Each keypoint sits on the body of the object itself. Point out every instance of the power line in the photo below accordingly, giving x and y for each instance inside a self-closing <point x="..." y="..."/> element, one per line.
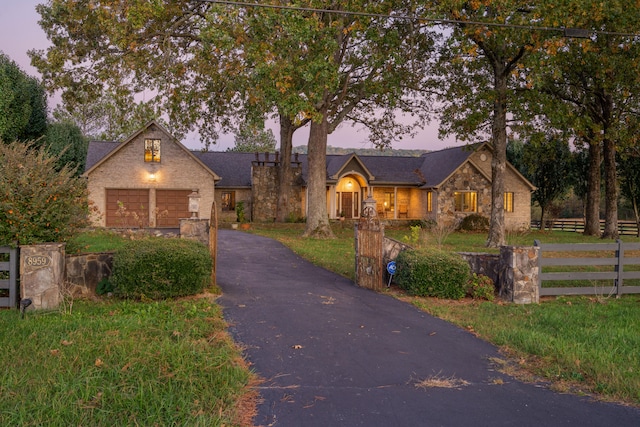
<point x="568" y="32"/>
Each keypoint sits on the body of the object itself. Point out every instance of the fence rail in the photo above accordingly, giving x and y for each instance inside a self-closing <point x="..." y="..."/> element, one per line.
<point x="625" y="228"/>
<point x="8" y="277"/>
<point x="617" y="275"/>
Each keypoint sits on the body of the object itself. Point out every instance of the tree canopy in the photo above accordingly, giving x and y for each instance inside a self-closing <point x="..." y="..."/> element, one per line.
<point x="202" y="65"/>
<point x="23" y="104"/>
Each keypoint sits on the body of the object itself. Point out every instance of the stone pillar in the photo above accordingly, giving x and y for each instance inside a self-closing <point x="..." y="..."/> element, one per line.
<point x="195" y="229"/>
<point x="42" y="274"/>
<point x="519" y="274"/>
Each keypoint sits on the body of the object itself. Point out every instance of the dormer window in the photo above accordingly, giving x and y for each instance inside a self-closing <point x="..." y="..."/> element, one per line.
<point x="152" y="150"/>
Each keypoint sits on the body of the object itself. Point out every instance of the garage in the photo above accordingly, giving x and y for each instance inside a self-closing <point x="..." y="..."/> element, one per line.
<point x="127" y="208"/>
<point x="172" y="205"/>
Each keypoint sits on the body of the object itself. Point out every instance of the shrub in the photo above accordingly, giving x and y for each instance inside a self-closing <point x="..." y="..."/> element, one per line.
<point x="432" y="273"/>
<point x="159" y="268"/>
<point x="481" y="287"/>
<point x="38" y="203"/>
<point x="474" y="222"/>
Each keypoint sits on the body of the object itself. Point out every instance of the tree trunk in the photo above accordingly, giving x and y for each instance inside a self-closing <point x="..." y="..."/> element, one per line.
<point x="498" y="164"/>
<point x="611" y="190"/>
<point x="283" y="210"/>
<point x="317" y="217"/>
<point x="592" y="211"/>
<point x="542" y="227"/>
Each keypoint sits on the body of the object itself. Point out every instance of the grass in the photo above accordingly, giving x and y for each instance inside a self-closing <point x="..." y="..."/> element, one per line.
<point x="122" y="363"/>
<point x="579" y="344"/>
<point x="98" y="240"/>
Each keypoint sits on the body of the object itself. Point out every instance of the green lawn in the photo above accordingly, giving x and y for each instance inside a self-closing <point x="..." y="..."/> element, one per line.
<point x="122" y="363"/>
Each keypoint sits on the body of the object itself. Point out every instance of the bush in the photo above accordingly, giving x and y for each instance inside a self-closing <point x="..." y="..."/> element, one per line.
<point x="38" y="203"/>
<point x="432" y="273"/>
<point x="481" y="287"/>
<point x="159" y="268"/>
<point x="474" y="222"/>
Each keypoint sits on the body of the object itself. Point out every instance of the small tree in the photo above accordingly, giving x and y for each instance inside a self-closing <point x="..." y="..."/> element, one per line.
<point x="38" y="202"/>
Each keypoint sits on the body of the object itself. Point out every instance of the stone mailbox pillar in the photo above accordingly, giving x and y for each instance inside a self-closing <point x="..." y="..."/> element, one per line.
<point x="42" y="274"/>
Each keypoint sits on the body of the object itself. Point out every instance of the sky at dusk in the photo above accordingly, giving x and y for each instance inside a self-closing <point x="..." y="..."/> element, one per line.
<point x="20" y="32"/>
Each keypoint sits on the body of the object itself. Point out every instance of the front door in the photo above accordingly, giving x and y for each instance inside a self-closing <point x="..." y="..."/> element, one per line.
<point x="347" y="205"/>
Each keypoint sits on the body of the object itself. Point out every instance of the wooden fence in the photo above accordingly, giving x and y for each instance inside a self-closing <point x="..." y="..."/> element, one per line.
<point x="597" y="262"/>
<point x="8" y="277"/>
<point x="628" y="228"/>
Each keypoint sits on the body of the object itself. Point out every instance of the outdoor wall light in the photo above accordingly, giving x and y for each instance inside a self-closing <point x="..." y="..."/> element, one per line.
<point x="349" y="184"/>
<point x="152" y="177"/>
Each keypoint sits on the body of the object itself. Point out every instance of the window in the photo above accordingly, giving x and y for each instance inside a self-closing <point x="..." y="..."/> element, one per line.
<point x="389" y="202"/>
<point x="430" y="201"/>
<point x="466" y="201"/>
<point x="152" y="150"/>
<point x="228" y="200"/>
<point x="508" y="202"/>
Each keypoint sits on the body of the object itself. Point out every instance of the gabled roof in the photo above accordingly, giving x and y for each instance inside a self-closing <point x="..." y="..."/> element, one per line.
<point x="234" y="168"/>
<point x="438" y="166"/>
<point x="115" y="147"/>
<point x="336" y="166"/>
<point x="97" y="151"/>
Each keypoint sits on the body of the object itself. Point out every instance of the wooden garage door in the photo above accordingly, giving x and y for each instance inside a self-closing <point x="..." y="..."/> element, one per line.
<point x="172" y="205"/>
<point x="135" y="208"/>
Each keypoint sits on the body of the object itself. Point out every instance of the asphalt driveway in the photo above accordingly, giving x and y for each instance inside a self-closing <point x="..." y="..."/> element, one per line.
<point x="334" y="354"/>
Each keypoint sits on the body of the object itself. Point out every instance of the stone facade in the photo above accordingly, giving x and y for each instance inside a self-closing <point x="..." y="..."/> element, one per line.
<point x="468" y="179"/>
<point x="474" y="176"/>
<point x="520" y="218"/>
<point x="264" y="189"/>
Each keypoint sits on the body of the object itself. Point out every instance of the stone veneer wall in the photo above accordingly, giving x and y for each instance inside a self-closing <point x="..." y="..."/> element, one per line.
<point x="85" y="271"/>
<point x="486" y="264"/>
<point x="468" y="178"/>
<point x="519" y="274"/>
<point x="264" y="177"/>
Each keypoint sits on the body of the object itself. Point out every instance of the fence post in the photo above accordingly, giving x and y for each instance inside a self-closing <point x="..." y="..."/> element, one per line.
<point x="619" y="268"/>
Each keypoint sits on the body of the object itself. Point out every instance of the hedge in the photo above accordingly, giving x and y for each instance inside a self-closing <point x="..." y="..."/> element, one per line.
<point x="432" y="273"/>
<point x="159" y="268"/>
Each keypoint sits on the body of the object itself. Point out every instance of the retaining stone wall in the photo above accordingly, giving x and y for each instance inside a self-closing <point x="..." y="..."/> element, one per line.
<point x="85" y="271"/>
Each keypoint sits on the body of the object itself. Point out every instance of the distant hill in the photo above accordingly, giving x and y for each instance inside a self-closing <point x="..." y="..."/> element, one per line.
<point x="302" y="149"/>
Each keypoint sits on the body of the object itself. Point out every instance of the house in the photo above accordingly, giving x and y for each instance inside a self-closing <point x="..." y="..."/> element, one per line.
<point x="151" y="174"/>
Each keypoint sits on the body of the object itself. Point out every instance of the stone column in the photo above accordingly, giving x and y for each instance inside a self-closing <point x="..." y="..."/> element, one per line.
<point x="195" y="229"/>
<point x="42" y="274"/>
<point x="519" y="274"/>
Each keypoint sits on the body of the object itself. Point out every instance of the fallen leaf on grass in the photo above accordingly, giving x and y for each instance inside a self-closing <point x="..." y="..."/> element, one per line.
<point x="98" y="363"/>
<point x="65" y="342"/>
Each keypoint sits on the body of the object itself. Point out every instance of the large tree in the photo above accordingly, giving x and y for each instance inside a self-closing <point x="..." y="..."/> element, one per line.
<point x="136" y="51"/>
<point x="479" y="74"/>
<point x="23" y="104"/>
<point x="328" y="66"/>
<point x="203" y="65"/>
<point x="594" y="82"/>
